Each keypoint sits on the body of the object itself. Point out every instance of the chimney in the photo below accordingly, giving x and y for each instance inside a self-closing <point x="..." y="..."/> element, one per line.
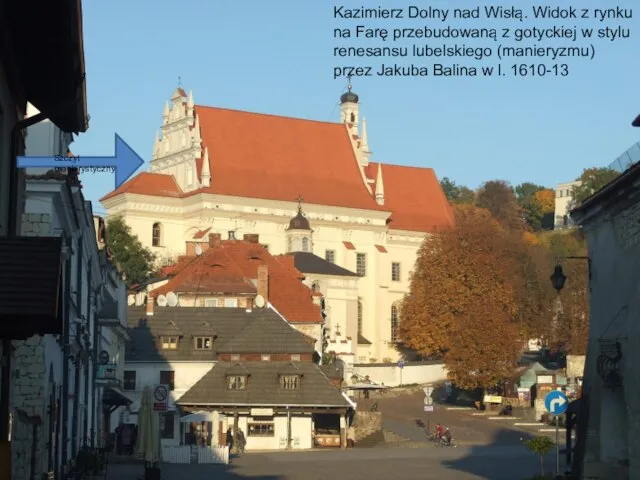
<point x="251" y="238"/>
<point x="263" y="282"/>
<point x="214" y="239"/>
<point x="191" y="249"/>
<point x="150" y="301"/>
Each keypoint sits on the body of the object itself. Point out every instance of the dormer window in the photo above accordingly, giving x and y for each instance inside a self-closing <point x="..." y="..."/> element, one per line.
<point x="236" y="382"/>
<point x="232" y="234"/>
<point x="266" y="358"/>
<point x="169" y="342"/>
<point x="290" y="382"/>
<point x="203" y="343"/>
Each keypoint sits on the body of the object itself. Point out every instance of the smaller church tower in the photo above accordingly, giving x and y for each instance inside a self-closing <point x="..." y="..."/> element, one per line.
<point x="349" y="109"/>
<point x="299" y="233"/>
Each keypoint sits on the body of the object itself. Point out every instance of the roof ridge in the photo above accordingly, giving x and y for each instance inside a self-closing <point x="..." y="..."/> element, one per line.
<point x="287" y="117"/>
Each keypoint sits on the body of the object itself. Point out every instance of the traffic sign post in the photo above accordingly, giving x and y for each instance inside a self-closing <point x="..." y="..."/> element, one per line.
<point x="400" y="366"/>
<point x="556" y="403"/>
<point x="160" y="394"/>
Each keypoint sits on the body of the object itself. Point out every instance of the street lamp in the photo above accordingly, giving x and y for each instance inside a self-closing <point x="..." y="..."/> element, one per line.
<point x="558" y="278"/>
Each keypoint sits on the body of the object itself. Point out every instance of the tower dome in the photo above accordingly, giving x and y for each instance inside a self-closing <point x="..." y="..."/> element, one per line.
<point x="349" y="97"/>
<point x="299" y="222"/>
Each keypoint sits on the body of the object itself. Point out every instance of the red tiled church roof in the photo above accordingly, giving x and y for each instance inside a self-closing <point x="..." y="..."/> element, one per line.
<point x="229" y="268"/>
<point x="270" y="157"/>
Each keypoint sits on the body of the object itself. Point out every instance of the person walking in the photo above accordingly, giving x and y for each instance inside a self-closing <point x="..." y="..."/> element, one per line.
<point x="241" y="441"/>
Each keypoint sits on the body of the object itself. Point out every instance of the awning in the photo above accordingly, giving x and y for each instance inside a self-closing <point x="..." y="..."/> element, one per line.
<point x="47" y="45"/>
<point x="200" y="417"/>
<point x="113" y="397"/>
<point x="30" y="286"/>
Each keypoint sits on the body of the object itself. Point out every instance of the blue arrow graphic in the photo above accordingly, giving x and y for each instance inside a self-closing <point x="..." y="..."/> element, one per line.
<point x="125" y="162"/>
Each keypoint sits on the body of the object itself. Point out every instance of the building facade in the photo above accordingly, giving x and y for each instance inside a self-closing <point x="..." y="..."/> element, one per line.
<point x="564" y="204"/>
<point x="233" y="173"/>
<point x="609" y="424"/>
<point x="229" y="360"/>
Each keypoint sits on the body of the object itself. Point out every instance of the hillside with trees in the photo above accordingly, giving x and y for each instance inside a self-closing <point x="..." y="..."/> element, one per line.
<point x="479" y="292"/>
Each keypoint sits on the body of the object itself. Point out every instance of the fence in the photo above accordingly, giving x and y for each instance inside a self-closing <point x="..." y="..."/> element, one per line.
<point x="193" y="454"/>
<point x="411" y="373"/>
<point x="627" y="159"/>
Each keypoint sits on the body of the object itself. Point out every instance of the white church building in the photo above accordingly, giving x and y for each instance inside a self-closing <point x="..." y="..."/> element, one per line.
<point x="233" y="173"/>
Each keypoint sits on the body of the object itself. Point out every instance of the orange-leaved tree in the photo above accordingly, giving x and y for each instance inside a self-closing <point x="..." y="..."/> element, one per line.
<point x="462" y="305"/>
<point x="498" y="197"/>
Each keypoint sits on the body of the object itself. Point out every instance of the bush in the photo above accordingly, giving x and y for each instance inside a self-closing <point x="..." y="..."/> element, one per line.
<point x="540" y="446"/>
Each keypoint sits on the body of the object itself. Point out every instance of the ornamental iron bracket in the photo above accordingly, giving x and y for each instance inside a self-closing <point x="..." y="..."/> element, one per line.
<point x="608" y="363"/>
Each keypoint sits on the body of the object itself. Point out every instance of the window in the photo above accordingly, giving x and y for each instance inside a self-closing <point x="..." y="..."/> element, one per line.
<point x="203" y="343"/>
<point x="330" y="256"/>
<point x="260" y="427"/>
<point x="232" y="234"/>
<point x="295" y="357"/>
<point x="236" y="382"/>
<point x="167" y="377"/>
<point x="211" y="302"/>
<point x="167" y="424"/>
<point x="169" y="343"/>
<point x="290" y="382"/>
<point x="360" y="314"/>
<point x="394" y="323"/>
<point x="265" y="358"/>
<point x="361" y="264"/>
<point x="305" y="244"/>
<point x="315" y="287"/>
<point x="231" y="302"/>
<point x="289" y="244"/>
<point x="395" y="272"/>
<point x="129" y="381"/>
<point x="235" y="357"/>
<point x="156" y="235"/>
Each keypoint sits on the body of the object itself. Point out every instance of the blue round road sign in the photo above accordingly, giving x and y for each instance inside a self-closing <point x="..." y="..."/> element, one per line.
<point x="401" y="364"/>
<point x="556" y="402"/>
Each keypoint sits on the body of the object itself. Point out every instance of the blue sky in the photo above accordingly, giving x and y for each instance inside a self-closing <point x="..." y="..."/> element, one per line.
<point x="277" y="57"/>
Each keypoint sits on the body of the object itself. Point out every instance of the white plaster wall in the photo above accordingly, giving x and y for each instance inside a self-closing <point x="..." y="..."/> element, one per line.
<point x="182" y="218"/>
<point x="563" y="202"/>
<point x="392" y="375"/>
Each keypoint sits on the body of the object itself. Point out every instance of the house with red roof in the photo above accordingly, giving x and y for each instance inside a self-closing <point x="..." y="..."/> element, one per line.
<point x="234" y="173"/>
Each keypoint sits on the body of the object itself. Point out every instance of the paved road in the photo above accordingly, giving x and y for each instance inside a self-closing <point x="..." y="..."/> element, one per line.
<point x="463" y="463"/>
<point x="401" y="414"/>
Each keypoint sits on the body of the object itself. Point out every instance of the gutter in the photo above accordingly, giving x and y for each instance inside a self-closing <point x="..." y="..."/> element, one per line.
<point x="66" y="354"/>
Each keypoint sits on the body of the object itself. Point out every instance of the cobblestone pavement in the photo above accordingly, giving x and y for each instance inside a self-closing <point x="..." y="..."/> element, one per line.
<point x="463" y="463"/>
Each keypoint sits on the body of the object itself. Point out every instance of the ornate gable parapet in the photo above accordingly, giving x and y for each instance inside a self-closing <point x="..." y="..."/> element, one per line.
<point x="179" y="146"/>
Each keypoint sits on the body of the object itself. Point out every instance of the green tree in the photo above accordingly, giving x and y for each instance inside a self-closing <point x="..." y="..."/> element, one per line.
<point x="592" y="180"/>
<point x="134" y="261"/>
<point x="458" y="194"/>
<point x="540" y="446"/>
<point x="535" y="203"/>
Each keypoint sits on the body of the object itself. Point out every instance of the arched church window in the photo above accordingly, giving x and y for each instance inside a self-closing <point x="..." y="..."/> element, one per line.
<point x="305" y="244"/>
<point x="289" y="244"/>
<point x="315" y="287"/>
<point x="395" y="320"/>
<point x="156" y="235"/>
<point x="353" y="117"/>
<point x="360" y="314"/>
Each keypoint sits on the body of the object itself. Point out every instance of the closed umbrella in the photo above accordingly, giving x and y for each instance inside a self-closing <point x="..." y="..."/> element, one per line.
<point x="148" y="442"/>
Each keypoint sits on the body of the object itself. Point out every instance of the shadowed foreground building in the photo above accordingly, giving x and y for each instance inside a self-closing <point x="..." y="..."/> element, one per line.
<point x="609" y="426"/>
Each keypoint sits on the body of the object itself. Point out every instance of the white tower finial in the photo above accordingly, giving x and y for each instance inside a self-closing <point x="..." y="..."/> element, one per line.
<point x="379" y="187"/>
<point x="206" y="169"/>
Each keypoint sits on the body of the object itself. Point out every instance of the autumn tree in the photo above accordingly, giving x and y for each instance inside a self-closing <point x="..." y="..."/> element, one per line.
<point x="592" y="180"/>
<point x="457" y="194"/>
<point x="462" y="305"/>
<point x="134" y="261"/>
<point x="498" y="197"/>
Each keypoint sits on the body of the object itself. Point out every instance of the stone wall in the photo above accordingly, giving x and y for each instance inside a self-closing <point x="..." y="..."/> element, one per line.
<point x="366" y="423"/>
<point x="27" y="396"/>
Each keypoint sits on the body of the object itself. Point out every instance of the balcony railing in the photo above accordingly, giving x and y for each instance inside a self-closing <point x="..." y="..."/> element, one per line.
<point x="627" y="159"/>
